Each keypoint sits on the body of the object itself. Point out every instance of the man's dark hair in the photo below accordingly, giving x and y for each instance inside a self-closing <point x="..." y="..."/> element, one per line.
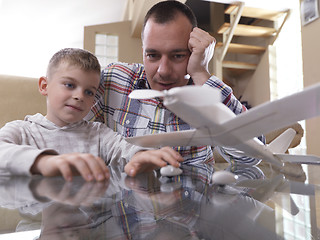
<point x="166" y="11"/>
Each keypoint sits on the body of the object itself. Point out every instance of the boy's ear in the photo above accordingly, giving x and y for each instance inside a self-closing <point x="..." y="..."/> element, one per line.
<point x="43" y="84"/>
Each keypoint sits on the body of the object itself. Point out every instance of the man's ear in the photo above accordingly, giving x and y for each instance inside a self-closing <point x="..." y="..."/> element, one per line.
<point x="43" y="84"/>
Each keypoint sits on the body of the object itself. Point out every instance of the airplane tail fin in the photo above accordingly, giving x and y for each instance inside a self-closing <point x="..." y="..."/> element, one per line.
<point x="281" y="143"/>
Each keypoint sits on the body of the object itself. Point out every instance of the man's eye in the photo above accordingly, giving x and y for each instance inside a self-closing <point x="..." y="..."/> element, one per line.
<point x="152" y="56"/>
<point x="179" y="56"/>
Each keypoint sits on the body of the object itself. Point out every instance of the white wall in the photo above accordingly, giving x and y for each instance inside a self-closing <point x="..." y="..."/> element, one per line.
<point x="33" y="30"/>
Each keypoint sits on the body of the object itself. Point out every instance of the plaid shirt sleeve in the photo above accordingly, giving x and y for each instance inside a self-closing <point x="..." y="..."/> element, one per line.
<point x="227" y="96"/>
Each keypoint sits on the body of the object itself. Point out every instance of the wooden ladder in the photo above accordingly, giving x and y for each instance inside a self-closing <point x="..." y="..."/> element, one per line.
<point x="228" y="30"/>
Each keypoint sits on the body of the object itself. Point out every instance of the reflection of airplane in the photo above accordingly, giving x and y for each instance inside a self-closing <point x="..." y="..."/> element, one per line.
<point x="278" y="189"/>
<point x="216" y="125"/>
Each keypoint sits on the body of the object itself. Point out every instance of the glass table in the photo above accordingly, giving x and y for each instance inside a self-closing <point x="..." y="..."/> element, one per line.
<point x="264" y="203"/>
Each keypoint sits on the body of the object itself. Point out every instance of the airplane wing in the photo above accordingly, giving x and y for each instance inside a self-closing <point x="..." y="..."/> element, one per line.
<point x="272" y="116"/>
<point x="299" y="159"/>
<point x="237" y="129"/>
<point x="183" y="138"/>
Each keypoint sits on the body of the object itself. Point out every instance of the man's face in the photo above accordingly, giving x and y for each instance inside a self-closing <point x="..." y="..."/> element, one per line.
<point x="166" y="53"/>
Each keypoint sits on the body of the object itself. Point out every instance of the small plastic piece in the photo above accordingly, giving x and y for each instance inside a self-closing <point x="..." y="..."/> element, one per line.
<point x="170" y="171"/>
<point x="223" y="178"/>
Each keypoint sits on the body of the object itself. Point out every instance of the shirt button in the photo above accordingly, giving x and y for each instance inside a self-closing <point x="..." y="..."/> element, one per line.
<point x="128" y="121"/>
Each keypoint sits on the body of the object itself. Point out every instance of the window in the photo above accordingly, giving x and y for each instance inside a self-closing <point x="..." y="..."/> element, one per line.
<point x="289" y="72"/>
<point x="106" y="49"/>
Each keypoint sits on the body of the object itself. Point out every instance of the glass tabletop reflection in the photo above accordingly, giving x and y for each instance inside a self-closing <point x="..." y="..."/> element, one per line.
<point x="264" y="203"/>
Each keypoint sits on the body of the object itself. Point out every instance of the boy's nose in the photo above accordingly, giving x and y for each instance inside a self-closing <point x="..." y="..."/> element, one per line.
<point x="78" y="96"/>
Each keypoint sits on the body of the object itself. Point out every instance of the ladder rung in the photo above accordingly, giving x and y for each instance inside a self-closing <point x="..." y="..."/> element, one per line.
<point x="248" y="30"/>
<point x="239" y="65"/>
<point x="243" y="48"/>
<point x="257" y="13"/>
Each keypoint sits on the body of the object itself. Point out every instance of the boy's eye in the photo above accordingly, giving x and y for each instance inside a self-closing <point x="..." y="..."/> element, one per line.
<point x="69" y="85"/>
<point x="89" y="93"/>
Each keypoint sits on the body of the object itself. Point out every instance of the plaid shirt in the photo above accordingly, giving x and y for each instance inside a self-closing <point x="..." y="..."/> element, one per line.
<point x="133" y="117"/>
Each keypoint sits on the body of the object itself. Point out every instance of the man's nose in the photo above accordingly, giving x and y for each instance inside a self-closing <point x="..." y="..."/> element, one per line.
<point x="165" y="67"/>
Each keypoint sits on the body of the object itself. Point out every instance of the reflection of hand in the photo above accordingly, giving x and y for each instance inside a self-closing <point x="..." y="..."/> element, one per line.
<point x="147" y="187"/>
<point x="77" y="192"/>
<point x="143" y="182"/>
<point x="61" y="221"/>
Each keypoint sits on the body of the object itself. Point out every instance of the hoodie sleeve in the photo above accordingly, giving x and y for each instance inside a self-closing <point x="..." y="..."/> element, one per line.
<point x="16" y="156"/>
<point x="114" y="147"/>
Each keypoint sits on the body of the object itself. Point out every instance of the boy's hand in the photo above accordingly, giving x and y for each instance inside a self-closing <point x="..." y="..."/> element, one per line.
<point x="145" y="161"/>
<point x="88" y="166"/>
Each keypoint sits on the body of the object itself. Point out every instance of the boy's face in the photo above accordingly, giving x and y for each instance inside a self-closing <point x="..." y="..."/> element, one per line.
<point x="70" y="93"/>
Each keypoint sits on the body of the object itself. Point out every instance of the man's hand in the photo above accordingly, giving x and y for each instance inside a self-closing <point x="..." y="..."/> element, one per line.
<point x="145" y="161"/>
<point x="201" y="45"/>
<point x="88" y="166"/>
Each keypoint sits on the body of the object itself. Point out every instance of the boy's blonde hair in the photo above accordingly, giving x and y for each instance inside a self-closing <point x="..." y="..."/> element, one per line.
<point x="83" y="59"/>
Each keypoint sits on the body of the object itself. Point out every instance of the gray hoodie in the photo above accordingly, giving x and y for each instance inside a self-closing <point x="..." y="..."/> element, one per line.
<point x="22" y="141"/>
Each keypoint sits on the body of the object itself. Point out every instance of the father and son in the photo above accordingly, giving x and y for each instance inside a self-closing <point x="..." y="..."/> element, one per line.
<point x="89" y="112"/>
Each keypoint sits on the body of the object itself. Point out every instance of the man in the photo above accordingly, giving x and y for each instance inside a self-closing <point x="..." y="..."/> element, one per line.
<point x="175" y="53"/>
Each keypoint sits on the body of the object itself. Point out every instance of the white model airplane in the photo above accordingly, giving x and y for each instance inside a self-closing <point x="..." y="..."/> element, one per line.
<point x="216" y="125"/>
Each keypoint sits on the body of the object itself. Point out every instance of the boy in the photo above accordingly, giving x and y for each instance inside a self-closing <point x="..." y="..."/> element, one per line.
<point x="62" y="142"/>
